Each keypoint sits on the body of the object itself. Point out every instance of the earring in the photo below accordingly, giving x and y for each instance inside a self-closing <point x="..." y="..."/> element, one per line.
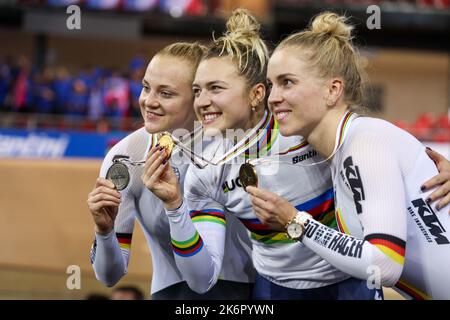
<point x="254" y="106"/>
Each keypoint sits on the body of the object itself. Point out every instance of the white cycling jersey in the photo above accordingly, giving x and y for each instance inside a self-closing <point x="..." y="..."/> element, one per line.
<point x="215" y="193"/>
<point x="395" y="235"/>
<point x="110" y="253"/>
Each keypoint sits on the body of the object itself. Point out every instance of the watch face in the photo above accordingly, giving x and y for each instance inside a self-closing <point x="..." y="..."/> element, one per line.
<point x="294" y="230"/>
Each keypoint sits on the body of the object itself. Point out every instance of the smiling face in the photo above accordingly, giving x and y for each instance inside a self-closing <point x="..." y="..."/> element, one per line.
<point x="221" y="96"/>
<point x="298" y="95"/>
<point x="166" y="97"/>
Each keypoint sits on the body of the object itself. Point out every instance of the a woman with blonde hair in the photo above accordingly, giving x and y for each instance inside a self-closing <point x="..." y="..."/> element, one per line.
<point x="388" y="232"/>
<point x="230" y="93"/>
<point x="166" y="105"/>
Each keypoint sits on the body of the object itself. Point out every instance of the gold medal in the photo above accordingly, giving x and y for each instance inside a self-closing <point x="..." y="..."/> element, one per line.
<point x="248" y="176"/>
<point x="166" y="141"/>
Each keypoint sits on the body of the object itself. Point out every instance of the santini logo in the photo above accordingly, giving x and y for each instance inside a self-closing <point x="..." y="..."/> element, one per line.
<point x="33" y="146"/>
<point x="305" y="156"/>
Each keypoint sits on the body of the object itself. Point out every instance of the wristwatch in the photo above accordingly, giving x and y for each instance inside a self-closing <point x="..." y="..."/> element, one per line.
<point x="296" y="227"/>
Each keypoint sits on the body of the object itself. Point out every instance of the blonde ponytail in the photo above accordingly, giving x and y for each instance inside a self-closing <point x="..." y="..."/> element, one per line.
<point x="243" y="44"/>
<point x="333" y="25"/>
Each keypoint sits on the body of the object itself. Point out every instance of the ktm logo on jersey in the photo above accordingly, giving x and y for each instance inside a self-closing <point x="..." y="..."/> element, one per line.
<point x="431" y="221"/>
<point x="354" y="180"/>
<point x="232" y="185"/>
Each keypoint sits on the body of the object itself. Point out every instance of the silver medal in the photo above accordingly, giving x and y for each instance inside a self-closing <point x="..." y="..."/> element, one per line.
<point x="119" y="175"/>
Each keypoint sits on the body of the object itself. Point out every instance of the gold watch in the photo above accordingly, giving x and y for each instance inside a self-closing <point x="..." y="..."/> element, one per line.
<point x="295" y="228"/>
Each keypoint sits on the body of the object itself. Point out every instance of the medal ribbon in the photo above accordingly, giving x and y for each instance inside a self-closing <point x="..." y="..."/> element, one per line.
<point x="262" y="132"/>
<point x="153" y="141"/>
<point x="254" y="136"/>
<point x="341" y="132"/>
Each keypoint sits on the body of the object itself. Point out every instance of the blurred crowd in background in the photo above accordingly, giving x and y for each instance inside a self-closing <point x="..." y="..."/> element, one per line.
<point x="173" y="7"/>
<point x="92" y="92"/>
<point x="203" y="7"/>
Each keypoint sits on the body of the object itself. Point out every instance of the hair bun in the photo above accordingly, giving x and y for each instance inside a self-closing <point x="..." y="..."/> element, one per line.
<point x="332" y="24"/>
<point x="242" y="24"/>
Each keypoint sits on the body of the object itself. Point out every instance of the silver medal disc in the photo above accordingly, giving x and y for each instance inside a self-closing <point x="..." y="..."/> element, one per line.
<point x="119" y="175"/>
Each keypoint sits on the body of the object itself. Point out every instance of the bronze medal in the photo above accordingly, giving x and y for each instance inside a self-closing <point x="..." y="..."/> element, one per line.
<point x="248" y="176"/>
<point x="119" y="175"/>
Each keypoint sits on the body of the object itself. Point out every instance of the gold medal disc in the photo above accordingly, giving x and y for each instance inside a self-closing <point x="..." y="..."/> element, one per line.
<point x="248" y="176"/>
<point x="166" y="141"/>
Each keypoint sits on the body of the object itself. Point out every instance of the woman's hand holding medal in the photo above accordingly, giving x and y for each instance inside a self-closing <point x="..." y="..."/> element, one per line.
<point x="160" y="178"/>
<point x="103" y="202"/>
<point x="271" y="209"/>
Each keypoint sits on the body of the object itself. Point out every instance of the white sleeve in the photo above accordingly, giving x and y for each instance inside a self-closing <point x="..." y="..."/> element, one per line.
<point x="110" y="253"/>
<point x="197" y="230"/>
<point x="375" y="184"/>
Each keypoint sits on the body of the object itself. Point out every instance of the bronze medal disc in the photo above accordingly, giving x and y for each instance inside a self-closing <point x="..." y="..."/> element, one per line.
<point x="119" y="175"/>
<point x="248" y="176"/>
<point x="166" y="141"/>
